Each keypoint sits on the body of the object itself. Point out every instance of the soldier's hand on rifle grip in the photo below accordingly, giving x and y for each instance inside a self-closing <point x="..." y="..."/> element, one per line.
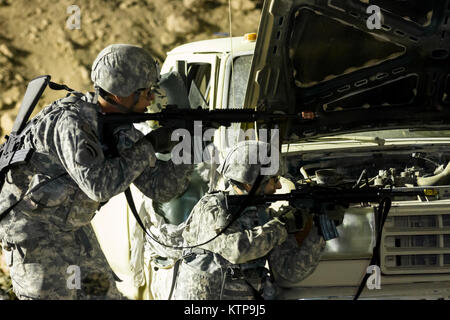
<point x="293" y="219"/>
<point x="336" y="213"/>
<point x="161" y="139"/>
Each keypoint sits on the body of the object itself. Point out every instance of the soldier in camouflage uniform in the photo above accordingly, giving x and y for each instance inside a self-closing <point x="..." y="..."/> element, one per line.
<point x="233" y="265"/>
<point x="167" y="224"/>
<point x="75" y="167"/>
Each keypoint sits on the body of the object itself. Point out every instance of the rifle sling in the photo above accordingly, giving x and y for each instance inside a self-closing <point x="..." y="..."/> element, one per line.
<point x="245" y="203"/>
<point x="383" y="210"/>
<point x="174" y="277"/>
<point x="130" y="201"/>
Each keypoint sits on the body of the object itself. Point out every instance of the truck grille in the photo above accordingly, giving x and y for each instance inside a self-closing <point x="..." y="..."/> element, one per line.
<point x="416" y="238"/>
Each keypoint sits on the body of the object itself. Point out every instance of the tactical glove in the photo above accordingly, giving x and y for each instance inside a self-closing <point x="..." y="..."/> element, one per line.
<point x="160" y="140"/>
<point x="336" y="213"/>
<point x="293" y="219"/>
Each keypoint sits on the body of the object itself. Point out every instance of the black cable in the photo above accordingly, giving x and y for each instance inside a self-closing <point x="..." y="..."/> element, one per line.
<point x="383" y="210"/>
<point x="236" y="215"/>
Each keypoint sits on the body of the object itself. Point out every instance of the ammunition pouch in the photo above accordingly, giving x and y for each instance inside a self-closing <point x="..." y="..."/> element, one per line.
<point x="257" y="279"/>
<point x="52" y="199"/>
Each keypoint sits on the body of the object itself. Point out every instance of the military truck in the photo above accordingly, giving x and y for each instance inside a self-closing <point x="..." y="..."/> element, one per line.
<point x="375" y="101"/>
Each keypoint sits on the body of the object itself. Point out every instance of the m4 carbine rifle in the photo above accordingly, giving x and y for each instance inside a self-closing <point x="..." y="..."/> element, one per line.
<point x="317" y="199"/>
<point x="175" y="117"/>
<point x="11" y="152"/>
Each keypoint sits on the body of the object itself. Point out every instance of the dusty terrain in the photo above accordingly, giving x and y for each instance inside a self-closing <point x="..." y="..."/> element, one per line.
<point x="35" y="39"/>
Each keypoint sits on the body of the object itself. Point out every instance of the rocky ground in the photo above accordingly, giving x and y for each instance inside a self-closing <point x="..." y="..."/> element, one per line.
<point x="5" y="281"/>
<point x="37" y="37"/>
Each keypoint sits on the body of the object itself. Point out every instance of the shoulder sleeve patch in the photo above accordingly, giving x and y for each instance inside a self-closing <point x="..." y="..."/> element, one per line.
<point x="87" y="154"/>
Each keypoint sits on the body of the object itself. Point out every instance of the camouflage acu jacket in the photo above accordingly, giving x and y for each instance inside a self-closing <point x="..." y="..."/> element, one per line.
<point x="255" y="238"/>
<point x="69" y="175"/>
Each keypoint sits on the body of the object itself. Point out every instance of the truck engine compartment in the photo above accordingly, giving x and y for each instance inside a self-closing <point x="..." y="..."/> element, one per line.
<point x="390" y="166"/>
<point x="416" y="234"/>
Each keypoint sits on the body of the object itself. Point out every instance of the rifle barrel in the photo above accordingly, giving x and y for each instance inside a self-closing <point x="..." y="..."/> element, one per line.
<point x="330" y="194"/>
<point x="219" y="116"/>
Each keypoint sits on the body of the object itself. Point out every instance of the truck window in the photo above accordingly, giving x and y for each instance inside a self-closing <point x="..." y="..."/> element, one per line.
<point x="198" y="81"/>
<point x="239" y="79"/>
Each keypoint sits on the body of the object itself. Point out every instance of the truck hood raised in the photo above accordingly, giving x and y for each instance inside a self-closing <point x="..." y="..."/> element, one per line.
<point x="320" y="56"/>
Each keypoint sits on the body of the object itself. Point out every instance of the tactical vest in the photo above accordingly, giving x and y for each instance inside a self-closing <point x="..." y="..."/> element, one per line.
<point x="40" y="195"/>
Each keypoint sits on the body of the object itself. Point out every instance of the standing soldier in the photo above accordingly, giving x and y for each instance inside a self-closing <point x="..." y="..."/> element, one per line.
<point x="233" y="265"/>
<point x="76" y="165"/>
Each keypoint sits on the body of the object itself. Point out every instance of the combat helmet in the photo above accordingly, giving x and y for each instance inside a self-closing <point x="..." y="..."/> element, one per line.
<point x="243" y="162"/>
<point x="121" y="69"/>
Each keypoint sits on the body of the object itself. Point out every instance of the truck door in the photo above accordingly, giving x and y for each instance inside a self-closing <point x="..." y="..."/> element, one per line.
<point x="200" y="72"/>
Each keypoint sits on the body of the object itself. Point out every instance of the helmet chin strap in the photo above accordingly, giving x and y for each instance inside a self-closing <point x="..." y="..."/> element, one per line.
<point x="136" y="100"/>
<point x="118" y="106"/>
<point x="96" y="94"/>
<point x="262" y="184"/>
<point x="263" y="181"/>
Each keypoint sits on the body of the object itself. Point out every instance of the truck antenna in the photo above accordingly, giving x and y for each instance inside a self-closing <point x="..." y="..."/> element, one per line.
<point x="232" y="55"/>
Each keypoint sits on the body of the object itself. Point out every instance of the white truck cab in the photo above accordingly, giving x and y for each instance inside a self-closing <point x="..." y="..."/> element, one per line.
<point x="211" y="59"/>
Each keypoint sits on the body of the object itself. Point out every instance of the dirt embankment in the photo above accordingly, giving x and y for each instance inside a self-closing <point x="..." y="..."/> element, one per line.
<point x="40" y="37"/>
<point x="36" y="37"/>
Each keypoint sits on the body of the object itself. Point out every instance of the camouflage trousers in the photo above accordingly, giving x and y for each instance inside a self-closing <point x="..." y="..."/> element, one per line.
<point x="62" y="266"/>
<point x="195" y="284"/>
